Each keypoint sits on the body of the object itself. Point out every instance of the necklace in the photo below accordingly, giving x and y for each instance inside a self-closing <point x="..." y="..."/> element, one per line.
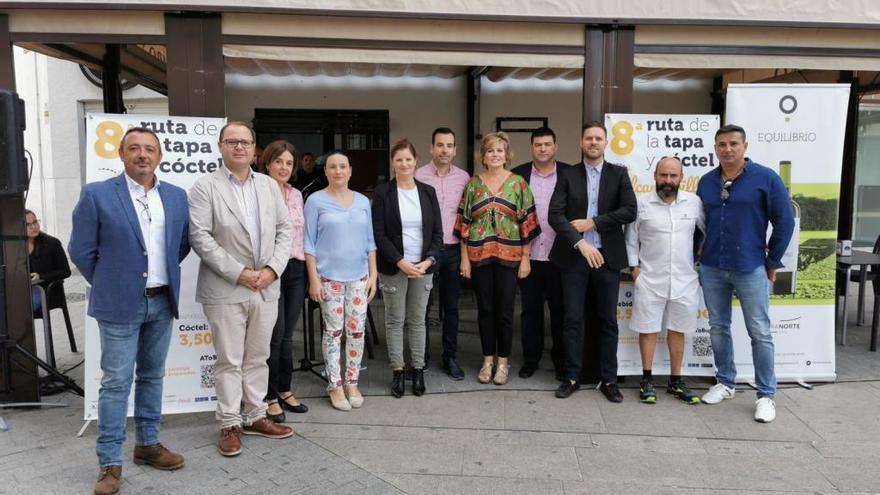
<point x="731" y="179"/>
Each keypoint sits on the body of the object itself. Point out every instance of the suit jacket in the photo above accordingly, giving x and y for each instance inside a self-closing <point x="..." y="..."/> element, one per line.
<point x="617" y="207"/>
<point x="525" y="170"/>
<point x="218" y="235"/>
<point x="387" y="228"/>
<point x="108" y="247"/>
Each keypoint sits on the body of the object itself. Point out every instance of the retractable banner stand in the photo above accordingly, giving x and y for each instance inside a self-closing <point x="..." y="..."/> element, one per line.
<point x="189" y="151"/>
<point x="798" y="131"/>
<point x="639" y="142"/>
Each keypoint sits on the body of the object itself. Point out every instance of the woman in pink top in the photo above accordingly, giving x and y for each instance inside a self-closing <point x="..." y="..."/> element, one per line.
<point x="279" y="162"/>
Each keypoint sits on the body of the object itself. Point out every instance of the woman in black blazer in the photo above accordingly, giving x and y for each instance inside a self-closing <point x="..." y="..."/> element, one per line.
<point x="409" y="235"/>
<point x="47" y="261"/>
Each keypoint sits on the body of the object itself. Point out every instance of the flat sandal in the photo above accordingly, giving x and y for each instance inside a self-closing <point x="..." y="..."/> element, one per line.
<point x="485" y="375"/>
<point x="501" y="374"/>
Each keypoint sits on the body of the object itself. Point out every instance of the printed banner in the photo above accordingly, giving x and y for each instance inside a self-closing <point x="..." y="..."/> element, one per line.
<point x="639" y="142"/>
<point x="189" y="151"/>
<point x="798" y="130"/>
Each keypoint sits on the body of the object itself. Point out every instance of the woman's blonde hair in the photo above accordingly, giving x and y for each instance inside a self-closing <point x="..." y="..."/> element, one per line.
<point x="492" y="139"/>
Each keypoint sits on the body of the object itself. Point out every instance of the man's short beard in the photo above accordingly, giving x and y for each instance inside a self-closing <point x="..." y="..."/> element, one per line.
<point x="667" y="191"/>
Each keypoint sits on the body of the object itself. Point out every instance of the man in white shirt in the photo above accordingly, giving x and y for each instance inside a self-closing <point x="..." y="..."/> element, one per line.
<point x="660" y="249"/>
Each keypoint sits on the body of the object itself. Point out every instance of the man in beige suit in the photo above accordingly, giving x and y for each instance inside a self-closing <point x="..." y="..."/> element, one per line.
<point x="240" y="228"/>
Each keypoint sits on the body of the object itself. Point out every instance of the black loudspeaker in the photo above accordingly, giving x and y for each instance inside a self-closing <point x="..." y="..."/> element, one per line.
<point x="13" y="165"/>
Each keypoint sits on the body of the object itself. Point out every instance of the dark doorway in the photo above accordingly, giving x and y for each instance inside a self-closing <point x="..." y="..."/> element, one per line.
<point x="362" y="134"/>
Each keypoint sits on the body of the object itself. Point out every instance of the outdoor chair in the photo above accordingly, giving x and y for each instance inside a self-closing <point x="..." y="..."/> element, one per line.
<point x="871" y="276"/>
<point x="46" y="312"/>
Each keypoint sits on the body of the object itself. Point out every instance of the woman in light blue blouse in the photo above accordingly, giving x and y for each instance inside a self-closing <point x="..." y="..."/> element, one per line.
<point x="341" y="262"/>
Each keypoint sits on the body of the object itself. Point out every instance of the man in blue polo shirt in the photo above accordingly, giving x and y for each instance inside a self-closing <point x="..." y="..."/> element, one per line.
<point x="740" y="198"/>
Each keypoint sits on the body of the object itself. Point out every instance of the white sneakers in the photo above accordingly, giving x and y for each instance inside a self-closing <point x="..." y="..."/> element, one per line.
<point x="765" y="410"/>
<point x="718" y="393"/>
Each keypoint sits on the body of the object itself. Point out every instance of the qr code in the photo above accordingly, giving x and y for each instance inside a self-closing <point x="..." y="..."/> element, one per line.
<point x="702" y="346"/>
<point x="207" y="376"/>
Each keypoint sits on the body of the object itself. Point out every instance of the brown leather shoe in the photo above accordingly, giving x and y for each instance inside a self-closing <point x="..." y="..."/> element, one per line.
<point x="109" y="480"/>
<point x="266" y="428"/>
<point x="230" y="441"/>
<point x="158" y="456"/>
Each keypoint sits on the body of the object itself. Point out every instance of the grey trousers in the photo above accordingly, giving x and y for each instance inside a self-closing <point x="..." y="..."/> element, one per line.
<point x="405" y="302"/>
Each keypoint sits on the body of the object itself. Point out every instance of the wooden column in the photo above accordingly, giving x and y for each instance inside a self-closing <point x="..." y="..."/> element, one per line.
<point x="196" y="80"/>
<point x="110" y="81"/>
<point x="850" y="146"/>
<point x="608" y="71"/>
<point x="472" y="96"/>
<point x="15" y="286"/>
<point x="608" y="88"/>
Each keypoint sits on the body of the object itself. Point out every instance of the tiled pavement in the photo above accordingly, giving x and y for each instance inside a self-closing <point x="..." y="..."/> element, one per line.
<point x="468" y="438"/>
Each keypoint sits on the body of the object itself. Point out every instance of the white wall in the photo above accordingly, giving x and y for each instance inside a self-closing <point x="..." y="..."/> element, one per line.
<point x="560" y="101"/>
<point x="418" y="105"/>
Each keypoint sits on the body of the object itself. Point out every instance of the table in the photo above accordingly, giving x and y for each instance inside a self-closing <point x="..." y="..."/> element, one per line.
<point x="844" y="264"/>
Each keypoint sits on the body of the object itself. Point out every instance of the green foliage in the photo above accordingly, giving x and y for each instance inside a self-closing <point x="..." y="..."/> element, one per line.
<point x="816" y="213"/>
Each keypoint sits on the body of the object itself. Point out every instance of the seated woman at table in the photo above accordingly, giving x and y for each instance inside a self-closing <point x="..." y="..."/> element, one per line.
<point x="409" y="235"/>
<point x="496" y="224"/>
<point x="47" y="262"/>
<point x="341" y="264"/>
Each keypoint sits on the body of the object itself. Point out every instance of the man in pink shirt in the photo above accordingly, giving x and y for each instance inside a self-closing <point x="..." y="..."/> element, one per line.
<point x="449" y="182"/>
<point x="544" y="283"/>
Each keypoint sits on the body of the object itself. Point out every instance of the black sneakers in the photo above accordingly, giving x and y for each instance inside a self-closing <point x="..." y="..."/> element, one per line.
<point x="647" y="395"/>
<point x="680" y="390"/>
<point x="611" y="392"/>
<point x="566" y="388"/>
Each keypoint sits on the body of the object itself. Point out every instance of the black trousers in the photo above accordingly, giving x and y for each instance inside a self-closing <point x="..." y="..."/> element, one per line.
<point x="603" y="283"/>
<point x="447" y="281"/>
<point x="293" y="291"/>
<point x="544" y="284"/>
<point x="495" y="288"/>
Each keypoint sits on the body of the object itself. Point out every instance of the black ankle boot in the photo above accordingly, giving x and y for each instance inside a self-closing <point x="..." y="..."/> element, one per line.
<point x="418" y="382"/>
<point x="398" y="383"/>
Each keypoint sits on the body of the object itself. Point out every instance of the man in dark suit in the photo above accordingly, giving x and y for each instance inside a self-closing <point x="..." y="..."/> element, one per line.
<point x="591" y="203"/>
<point x="130" y="234"/>
<point x="544" y="283"/>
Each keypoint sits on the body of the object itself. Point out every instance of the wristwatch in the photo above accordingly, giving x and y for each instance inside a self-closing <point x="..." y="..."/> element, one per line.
<point x="432" y="259"/>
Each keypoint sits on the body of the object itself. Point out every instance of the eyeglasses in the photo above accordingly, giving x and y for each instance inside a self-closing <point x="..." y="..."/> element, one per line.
<point x="145" y="211"/>
<point x="235" y="143"/>
<point x="725" y="190"/>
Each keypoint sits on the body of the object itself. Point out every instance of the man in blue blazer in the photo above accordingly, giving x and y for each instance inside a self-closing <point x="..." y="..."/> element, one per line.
<point x="130" y="234"/>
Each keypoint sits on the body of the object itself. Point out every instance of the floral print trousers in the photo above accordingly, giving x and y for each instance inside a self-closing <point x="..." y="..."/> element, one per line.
<point x="344" y="309"/>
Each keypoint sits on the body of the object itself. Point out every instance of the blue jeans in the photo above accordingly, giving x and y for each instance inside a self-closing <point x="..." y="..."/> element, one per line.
<point x="143" y="340"/>
<point x="36" y="299"/>
<point x="753" y="290"/>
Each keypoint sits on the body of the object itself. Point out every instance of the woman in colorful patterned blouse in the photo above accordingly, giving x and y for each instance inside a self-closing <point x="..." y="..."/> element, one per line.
<point x="496" y="224"/>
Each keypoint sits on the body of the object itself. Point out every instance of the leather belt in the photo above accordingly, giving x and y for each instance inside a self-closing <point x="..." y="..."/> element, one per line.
<point x="155" y="291"/>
